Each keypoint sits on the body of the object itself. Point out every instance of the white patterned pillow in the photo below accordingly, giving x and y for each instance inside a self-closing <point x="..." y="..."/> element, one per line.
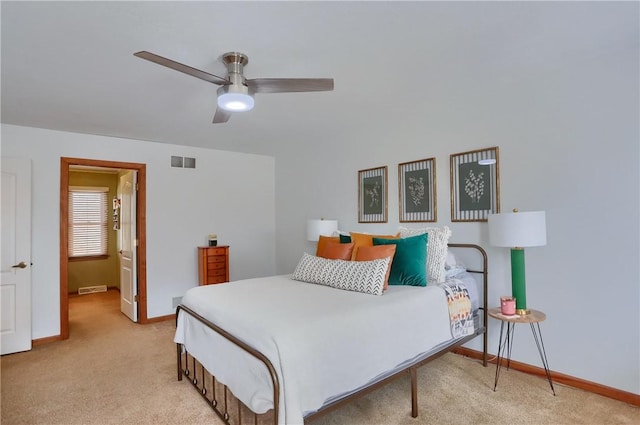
<point x="436" y="249"/>
<point x="360" y="276"/>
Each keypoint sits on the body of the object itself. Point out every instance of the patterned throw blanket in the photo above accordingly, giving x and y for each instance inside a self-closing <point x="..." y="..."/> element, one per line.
<point x="459" y="307"/>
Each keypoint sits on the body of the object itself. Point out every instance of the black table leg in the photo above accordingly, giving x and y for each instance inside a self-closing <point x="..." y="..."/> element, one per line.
<point x="504" y="344"/>
<point x="499" y="358"/>
<point x="543" y="355"/>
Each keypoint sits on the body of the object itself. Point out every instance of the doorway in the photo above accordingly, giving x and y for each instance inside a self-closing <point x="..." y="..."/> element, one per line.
<point x="140" y="220"/>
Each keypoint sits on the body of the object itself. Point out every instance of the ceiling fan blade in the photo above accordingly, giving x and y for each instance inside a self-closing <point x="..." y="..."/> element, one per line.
<point x="221" y="116"/>
<point x="289" y="85"/>
<point x="182" y="68"/>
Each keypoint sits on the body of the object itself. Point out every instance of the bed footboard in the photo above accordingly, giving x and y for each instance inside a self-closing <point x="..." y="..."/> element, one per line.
<point x="231" y="410"/>
<point x="221" y="400"/>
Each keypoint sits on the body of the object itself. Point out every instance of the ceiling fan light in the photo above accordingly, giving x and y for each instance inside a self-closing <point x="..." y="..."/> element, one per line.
<point x="235" y="102"/>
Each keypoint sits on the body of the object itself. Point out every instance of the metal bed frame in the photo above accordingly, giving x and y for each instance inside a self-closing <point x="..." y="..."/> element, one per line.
<point x="233" y="412"/>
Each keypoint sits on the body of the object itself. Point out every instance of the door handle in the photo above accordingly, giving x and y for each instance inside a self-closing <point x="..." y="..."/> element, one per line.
<point x="20" y="265"/>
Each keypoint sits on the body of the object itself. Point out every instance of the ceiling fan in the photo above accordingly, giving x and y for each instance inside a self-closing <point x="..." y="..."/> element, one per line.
<point x="236" y="92"/>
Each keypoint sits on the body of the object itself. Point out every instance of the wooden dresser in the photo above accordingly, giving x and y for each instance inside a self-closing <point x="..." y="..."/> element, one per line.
<point x="213" y="264"/>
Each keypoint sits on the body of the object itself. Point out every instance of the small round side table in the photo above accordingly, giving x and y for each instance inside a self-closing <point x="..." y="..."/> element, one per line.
<point x="506" y="339"/>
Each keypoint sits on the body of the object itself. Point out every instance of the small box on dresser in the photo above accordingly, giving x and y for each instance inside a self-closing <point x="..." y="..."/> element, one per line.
<point x="213" y="264"/>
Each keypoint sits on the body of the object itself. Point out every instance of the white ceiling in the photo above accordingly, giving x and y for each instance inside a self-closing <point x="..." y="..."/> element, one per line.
<point x="70" y="66"/>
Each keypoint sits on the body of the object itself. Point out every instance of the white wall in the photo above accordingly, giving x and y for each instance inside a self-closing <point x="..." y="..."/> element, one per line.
<point x="230" y="194"/>
<point x="569" y="144"/>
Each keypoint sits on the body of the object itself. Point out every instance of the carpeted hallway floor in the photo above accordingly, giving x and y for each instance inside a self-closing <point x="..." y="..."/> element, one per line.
<point x="112" y="371"/>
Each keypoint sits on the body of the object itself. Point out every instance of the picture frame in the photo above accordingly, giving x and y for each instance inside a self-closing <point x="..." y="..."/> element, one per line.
<point x="372" y="195"/>
<point x="475" y="184"/>
<point x="417" y="191"/>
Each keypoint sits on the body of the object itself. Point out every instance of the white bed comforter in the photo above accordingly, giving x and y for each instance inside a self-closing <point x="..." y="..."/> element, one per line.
<point x="322" y="341"/>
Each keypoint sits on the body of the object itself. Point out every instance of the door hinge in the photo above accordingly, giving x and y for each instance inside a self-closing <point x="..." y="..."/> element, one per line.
<point x="135" y="298"/>
<point x="135" y="242"/>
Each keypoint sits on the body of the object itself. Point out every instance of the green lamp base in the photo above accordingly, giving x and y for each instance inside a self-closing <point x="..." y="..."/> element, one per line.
<point x="518" y="284"/>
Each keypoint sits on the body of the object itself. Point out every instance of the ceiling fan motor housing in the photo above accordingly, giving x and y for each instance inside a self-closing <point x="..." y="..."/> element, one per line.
<point x="235" y="66"/>
<point x="235" y="96"/>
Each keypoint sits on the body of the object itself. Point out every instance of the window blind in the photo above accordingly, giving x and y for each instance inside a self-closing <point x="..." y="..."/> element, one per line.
<point x="88" y="221"/>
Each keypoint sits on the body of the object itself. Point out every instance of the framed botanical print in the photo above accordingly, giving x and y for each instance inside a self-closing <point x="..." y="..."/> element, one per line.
<point x="417" y="191"/>
<point x="475" y="185"/>
<point x="372" y="195"/>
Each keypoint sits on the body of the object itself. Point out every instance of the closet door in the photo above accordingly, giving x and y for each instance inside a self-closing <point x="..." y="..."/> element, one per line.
<point x="15" y="274"/>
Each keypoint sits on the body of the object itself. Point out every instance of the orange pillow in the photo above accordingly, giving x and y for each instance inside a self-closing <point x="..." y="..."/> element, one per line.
<point x="323" y="241"/>
<point x="368" y="253"/>
<point x="365" y="239"/>
<point x="337" y="251"/>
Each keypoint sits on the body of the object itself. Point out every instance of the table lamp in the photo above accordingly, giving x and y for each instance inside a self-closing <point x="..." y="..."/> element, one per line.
<point x="317" y="227"/>
<point x="518" y="230"/>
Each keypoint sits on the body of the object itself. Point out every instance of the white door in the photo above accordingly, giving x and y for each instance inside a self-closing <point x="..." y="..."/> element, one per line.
<point x="127" y="244"/>
<point x="15" y="270"/>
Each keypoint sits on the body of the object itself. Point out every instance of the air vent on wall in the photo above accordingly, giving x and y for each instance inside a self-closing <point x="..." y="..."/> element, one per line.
<point x="183" y="162"/>
<point x="92" y="289"/>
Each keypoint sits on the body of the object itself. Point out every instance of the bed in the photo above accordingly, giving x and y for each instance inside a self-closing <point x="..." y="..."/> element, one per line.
<point x="283" y="351"/>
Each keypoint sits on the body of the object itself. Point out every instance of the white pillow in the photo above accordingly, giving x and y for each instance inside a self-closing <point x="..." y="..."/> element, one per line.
<point x="453" y="266"/>
<point x="451" y="261"/>
<point x="360" y="276"/>
<point x="436" y="249"/>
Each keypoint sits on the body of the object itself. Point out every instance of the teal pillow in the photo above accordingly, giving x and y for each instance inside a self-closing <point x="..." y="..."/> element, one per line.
<point x="409" y="266"/>
<point x="345" y="238"/>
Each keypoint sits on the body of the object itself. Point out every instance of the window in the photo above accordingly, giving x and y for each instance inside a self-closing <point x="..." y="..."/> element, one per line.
<point x="88" y="221"/>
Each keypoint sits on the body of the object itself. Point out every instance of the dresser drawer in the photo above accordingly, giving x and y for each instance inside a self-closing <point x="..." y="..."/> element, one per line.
<point x="216" y="266"/>
<point x="216" y="259"/>
<point x="212" y="280"/>
<point x="216" y="251"/>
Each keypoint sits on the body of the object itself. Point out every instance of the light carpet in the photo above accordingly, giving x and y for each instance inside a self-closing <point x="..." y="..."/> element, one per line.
<point x="112" y="371"/>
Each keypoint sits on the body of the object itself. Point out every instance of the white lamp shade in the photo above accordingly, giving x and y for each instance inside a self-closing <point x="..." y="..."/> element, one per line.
<point x="518" y="229"/>
<point x="315" y="228"/>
